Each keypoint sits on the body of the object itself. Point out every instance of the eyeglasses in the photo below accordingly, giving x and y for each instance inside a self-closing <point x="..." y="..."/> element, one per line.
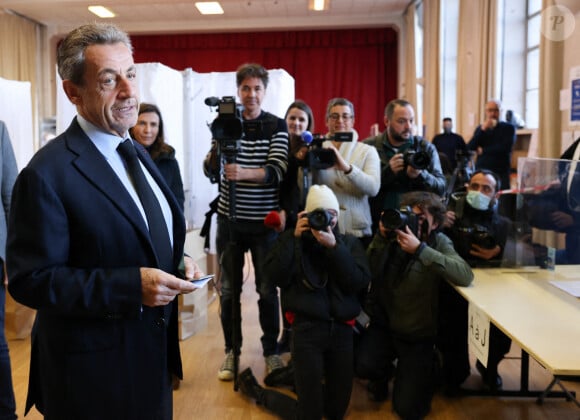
<point x="336" y="117"/>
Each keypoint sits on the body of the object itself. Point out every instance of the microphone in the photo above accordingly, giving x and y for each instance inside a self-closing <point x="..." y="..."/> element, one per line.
<point x="307" y="137"/>
<point x="212" y="101"/>
<point x="272" y="220"/>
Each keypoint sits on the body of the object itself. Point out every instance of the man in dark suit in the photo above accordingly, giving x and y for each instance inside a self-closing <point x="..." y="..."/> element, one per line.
<point x="104" y="343"/>
<point x="493" y="141"/>
<point x="449" y="143"/>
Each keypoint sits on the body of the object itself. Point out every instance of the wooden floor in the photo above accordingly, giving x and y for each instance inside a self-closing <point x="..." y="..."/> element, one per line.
<point x="202" y="396"/>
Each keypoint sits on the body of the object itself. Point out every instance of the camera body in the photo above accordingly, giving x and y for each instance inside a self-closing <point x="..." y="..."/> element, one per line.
<point x="319" y="219"/>
<point x="317" y="156"/>
<point x="228" y="127"/>
<point x="475" y="235"/>
<point x="416" y="157"/>
<point x="397" y="219"/>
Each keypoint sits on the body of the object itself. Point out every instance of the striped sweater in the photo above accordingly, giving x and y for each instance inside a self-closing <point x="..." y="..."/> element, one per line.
<point x="253" y="200"/>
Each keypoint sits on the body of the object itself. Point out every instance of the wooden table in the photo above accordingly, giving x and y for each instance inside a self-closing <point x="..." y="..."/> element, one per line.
<point x="541" y="318"/>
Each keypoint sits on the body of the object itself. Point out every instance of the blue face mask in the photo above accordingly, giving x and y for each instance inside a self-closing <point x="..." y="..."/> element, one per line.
<point x="478" y="200"/>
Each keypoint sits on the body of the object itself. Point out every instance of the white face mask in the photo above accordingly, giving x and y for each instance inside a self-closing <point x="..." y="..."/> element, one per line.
<point x="478" y="200"/>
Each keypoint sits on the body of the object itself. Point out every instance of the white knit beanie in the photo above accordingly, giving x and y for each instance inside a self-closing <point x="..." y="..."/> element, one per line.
<point x="320" y="196"/>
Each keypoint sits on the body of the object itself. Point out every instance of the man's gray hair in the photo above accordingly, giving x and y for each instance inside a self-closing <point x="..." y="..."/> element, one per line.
<point x="339" y="102"/>
<point x="70" y="56"/>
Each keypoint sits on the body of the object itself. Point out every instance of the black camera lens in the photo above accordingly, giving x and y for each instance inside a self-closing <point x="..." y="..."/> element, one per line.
<point x="417" y="159"/>
<point x="397" y="219"/>
<point x="319" y="219"/>
<point x="393" y="219"/>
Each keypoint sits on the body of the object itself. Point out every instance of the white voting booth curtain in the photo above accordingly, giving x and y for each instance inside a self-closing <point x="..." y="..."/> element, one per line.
<point x="16" y="112"/>
<point x="180" y="96"/>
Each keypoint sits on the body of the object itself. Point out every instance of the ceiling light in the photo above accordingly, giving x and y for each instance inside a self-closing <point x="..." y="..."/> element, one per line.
<point x="209" y="8"/>
<point x="101" y="12"/>
<point x="318" y="5"/>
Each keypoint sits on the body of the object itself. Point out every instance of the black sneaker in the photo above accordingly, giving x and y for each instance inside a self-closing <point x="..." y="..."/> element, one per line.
<point x="250" y="386"/>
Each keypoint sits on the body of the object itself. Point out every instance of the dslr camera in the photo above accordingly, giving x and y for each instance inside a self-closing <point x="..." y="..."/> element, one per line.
<point x="416" y="157"/>
<point x="317" y="156"/>
<point x="397" y="219"/>
<point x="319" y="219"/>
<point x="477" y="235"/>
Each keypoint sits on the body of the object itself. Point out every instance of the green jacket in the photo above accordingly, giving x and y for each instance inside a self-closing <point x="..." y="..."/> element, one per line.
<point x="404" y="291"/>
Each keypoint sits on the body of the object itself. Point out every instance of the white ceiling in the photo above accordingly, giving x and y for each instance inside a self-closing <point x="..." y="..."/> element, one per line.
<point x="173" y="16"/>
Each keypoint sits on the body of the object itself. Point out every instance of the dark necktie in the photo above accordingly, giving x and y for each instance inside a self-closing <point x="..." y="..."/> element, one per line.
<point x="155" y="219"/>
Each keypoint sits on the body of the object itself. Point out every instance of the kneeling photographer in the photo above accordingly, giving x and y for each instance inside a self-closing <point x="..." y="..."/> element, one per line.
<point x="320" y="272"/>
<point x="409" y="259"/>
<point x="480" y="236"/>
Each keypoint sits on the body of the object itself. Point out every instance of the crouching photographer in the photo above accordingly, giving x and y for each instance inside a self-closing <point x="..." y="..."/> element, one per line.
<point x="320" y="272"/>
<point x="408" y="263"/>
<point x="480" y="236"/>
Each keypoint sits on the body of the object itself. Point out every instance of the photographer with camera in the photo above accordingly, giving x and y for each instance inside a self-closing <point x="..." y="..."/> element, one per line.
<point x="255" y="169"/>
<point x="480" y="235"/>
<point x="320" y="272"/>
<point x="355" y="174"/>
<point x="409" y="260"/>
<point x="408" y="163"/>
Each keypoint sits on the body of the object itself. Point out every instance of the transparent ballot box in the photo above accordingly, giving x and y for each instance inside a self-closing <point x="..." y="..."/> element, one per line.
<point x="545" y="210"/>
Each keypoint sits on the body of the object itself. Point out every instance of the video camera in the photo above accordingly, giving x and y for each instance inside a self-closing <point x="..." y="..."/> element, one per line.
<point x="397" y="219"/>
<point x="317" y="156"/>
<point x="416" y="157"/>
<point x="228" y="127"/>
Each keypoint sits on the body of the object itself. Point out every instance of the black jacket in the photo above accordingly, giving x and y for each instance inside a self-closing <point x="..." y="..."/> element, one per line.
<point x="318" y="282"/>
<point x="169" y="168"/>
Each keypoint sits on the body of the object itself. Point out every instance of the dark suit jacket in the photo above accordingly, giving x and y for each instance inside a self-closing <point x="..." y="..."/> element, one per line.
<point x="76" y="241"/>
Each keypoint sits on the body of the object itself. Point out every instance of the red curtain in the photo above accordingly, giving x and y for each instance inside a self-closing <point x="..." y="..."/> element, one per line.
<point x="358" y="64"/>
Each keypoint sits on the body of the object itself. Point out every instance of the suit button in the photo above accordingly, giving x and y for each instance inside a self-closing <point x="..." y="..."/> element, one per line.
<point x="160" y="322"/>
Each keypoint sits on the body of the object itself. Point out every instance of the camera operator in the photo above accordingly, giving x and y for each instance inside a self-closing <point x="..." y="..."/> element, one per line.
<point x="259" y="168"/>
<point x="355" y="175"/>
<point x="408" y="264"/>
<point x="320" y="272"/>
<point x="408" y="163"/>
<point x="480" y="236"/>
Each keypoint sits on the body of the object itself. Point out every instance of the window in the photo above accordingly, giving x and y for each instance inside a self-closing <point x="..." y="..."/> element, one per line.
<point x="532" y="51"/>
<point x="449" y="31"/>
<point x="419" y="68"/>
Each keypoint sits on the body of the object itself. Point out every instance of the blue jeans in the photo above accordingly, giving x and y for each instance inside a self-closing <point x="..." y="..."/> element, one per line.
<point x="7" y="402"/>
<point x="233" y="240"/>
<point x="322" y="352"/>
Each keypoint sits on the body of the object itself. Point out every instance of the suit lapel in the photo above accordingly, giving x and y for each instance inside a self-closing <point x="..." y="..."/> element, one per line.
<point x="94" y="167"/>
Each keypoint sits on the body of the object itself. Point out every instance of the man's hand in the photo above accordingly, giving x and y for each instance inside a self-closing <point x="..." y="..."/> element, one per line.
<point x="324" y="237"/>
<point x="407" y="240"/>
<point x="341" y="164"/>
<point x="489" y="124"/>
<point x="562" y="220"/>
<point x="450" y="219"/>
<point x="159" y="288"/>
<point x="192" y="270"/>
<point x="486" y="254"/>
<point x="301" y="224"/>
<point x="413" y="173"/>
<point x="397" y="163"/>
